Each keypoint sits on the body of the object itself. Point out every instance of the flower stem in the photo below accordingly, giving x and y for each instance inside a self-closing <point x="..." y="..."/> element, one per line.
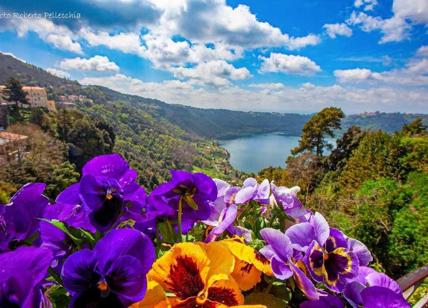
<point x="180" y="214"/>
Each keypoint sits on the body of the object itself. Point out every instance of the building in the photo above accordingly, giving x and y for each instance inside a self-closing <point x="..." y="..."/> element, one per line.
<point x="36" y="96"/>
<point x="12" y="147"/>
<point x="52" y="106"/>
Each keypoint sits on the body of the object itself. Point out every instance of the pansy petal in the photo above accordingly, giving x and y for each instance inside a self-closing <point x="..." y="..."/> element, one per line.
<point x="379" y="297"/>
<point x="127" y="279"/>
<point x="362" y="252"/>
<point x="279" y="242"/>
<point x="382" y="280"/>
<point x="321" y="228"/>
<point x="125" y="242"/>
<point x="329" y="301"/>
<point x="249" y="182"/>
<point x="110" y="165"/>
<point x="222" y="187"/>
<point x="78" y="271"/>
<point x="301" y="235"/>
<point x="228" y="220"/>
<point x="304" y="283"/>
<point x="352" y="293"/>
<point x="280" y="269"/>
<point x="245" y="194"/>
<point x="21" y="273"/>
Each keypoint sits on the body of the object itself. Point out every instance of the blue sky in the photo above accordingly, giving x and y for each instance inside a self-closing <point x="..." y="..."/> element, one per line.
<point x="277" y="55"/>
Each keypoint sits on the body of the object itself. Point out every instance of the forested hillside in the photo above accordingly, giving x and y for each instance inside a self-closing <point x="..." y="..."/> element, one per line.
<point x="205" y="123"/>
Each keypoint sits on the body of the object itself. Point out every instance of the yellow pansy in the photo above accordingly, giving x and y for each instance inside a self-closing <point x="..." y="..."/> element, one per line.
<point x="194" y="275"/>
<point x="249" y="263"/>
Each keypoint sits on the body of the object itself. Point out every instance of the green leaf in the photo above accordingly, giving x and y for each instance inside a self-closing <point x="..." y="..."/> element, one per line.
<point x="58" y="296"/>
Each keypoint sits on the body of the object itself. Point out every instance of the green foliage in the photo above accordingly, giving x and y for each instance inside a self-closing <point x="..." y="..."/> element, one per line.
<point x="416" y="127"/>
<point x="376" y="156"/>
<point x="14" y="92"/>
<point x="317" y="128"/>
<point x="408" y="240"/>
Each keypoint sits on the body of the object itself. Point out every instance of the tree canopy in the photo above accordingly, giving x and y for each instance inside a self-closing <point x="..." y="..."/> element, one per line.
<point x="317" y="129"/>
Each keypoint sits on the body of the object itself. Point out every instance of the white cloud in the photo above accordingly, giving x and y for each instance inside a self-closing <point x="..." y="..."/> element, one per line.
<point x="216" y="73"/>
<point x="422" y="51"/>
<point x="127" y="42"/>
<point x="58" y="73"/>
<point x="214" y="21"/>
<point x="334" y="30"/>
<point x="366" y="5"/>
<point x="415" y="10"/>
<point x="96" y="63"/>
<point x="355" y="75"/>
<point x="414" y="74"/>
<point x="277" y="62"/>
<point x="59" y="36"/>
<point x="306" y="98"/>
<point x="394" y="29"/>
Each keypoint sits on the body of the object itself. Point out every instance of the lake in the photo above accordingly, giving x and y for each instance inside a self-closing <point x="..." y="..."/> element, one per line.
<point x="253" y="153"/>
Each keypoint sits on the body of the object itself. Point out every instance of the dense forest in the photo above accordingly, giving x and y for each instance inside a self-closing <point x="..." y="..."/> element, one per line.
<point x="373" y="185"/>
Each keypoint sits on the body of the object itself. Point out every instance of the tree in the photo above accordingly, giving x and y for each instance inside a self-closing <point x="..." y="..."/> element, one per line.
<point x="416" y="127"/>
<point x="86" y="141"/>
<point x="15" y="94"/>
<point x="344" y="148"/>
<point x="317" y="128"/>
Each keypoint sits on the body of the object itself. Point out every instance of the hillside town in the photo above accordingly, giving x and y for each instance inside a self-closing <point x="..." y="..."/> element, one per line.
<point x="14" y="146"/>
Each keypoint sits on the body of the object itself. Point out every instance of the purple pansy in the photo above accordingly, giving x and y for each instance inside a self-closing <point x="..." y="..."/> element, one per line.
<point x="328" y="301"/>
<point x="379" y="297"/>
<point x="332" y="262"/>
<point x="279" y="251"/>
<point x="113" y="274"/>
<point x="22" y="272"/>
<point x="187" y="192"/>
<point x="19" y="219"/>
<point x="224" y="213"/>
<point x="109" y="191"/>
<point x="328" y="255"/>
<point x="387" y="289"/>
<point x="251" y="190"/>
<point x="287" y="199"/>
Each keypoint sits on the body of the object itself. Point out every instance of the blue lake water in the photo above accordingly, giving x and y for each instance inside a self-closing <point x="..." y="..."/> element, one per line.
<point x="253" y="153"/>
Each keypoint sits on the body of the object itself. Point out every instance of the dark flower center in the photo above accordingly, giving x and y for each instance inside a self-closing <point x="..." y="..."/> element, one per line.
<point x="184" y="278"/>
<point x="6" y="302"/>
<point x="261" y="258"/>
<point x="334" y="265"/>
<point x="222" y="295"/>
<point x="109" y="212"/>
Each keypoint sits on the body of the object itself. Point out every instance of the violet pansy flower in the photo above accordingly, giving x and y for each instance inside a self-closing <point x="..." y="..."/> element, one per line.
<point x="328" y="255"/>
<point x="251" y="190"/>
<point x="287" y="199"/>
<point x="20" y="219"/>
<point x="279" y="251"/>
<point x="22" y="273"/>
<point x="109" y="190"/>
<point x="186" y="196"/>
<point x="384" y="291"/>
<point x="111" y="275"/>
<point x="224" y="213"/>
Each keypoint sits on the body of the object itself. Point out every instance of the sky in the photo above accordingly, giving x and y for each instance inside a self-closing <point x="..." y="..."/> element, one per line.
<point x="251" y="55"/>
